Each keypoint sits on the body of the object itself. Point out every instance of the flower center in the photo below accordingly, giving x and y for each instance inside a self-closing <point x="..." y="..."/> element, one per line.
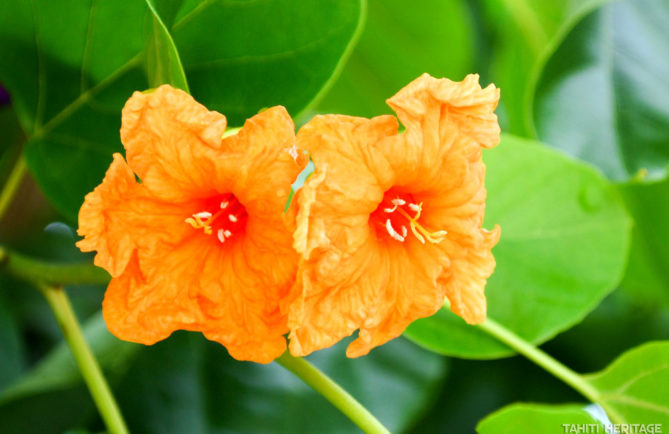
<point x="222" y="215"/>
<point x="397" y="214"/>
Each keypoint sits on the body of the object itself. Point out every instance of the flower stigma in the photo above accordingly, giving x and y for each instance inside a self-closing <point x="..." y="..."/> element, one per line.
<point x="398" y="211"/>
<point x="223" y="215"/>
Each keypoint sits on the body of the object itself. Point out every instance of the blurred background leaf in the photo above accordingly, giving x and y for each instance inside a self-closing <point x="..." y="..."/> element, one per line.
<point x="54" y="388"/>
<point x="398" y="44"/>
<point x="602" y="95"/>
<point x="189" y="384"/>
<point x="563" y="248"/>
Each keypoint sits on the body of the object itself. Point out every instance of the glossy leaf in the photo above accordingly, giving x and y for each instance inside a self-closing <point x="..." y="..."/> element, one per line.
<point x="602" y="95"/>
<point x="264" y="53"/>
<point x="162" y="58"/>
<point x="69" y="77"/>
<point x="563" y="247"/>
<point x="519" y="33"/>
<point x="398" y="44"/>
<point x="635" y="387"/>
<point x="537" y="418"/>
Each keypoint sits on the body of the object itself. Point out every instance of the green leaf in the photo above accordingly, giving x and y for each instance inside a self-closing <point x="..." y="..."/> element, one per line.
<point x="70" y="77"/>
<point x="398" y="44"/>
<point x="162" y="58"/>
<point x="647" y="275"/>
<point x="263" y="53"/>
<point x="54" y="388"/>
<point x="521" y="31"/>
<point x="187" y="384"/>
<point x="537" y="418"/>
<point x="635" y="387"/>
<point x="602" y="95"/>
<point x="563" y="248"/>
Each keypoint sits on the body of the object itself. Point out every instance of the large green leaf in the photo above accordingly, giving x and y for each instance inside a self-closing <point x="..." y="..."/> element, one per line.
<point x="563" y="247"/>
<point x="647" y="276"/>
<point x="399" y="43"/>
<point x="518" y="33"/>
<point x="70" y="76"/>
<point x="635" y="387"/>
<point x="536" y="418"/>
<point x="602" y="95"/>
<point x="264" y="53"/>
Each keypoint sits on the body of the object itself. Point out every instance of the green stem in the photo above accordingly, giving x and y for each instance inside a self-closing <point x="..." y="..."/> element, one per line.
<point x="571" y="378"/>
<point x="90" y="370"/>
<point x="12" y="185"/>
<point x="35" y="270"/>
<point x="340" y="398"/>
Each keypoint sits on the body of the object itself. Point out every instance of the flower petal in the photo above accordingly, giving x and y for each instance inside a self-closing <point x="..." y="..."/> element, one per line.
<point x="114" y="245"/>
<point x="203" y="287"/>
<point x="266" y="160"/>
<point x="172" y="142"/>
<point x="120" y="217"/>
<point x="463" y="105"/>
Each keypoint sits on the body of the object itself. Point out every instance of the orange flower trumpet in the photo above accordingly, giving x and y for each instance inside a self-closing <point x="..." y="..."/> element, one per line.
<point x="389" y="224"/>
<point x="201" y="242"/>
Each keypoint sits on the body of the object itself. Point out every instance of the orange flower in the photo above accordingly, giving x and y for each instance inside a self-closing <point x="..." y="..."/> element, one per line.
<point x="390" y="224"/>
<point x="201" y="242"/>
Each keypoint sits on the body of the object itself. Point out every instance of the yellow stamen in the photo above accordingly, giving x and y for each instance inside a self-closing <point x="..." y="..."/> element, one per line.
<point x="418" y="230"/>
<point x="197" y="222"/>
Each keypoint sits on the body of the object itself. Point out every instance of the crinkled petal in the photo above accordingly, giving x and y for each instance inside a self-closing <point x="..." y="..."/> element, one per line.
<point x="113" y="244"/>
<point x="463" y="105"/>
<point x="146" y="311"/>
<point x="172" y="142"/>
<point x="472" y="263"/>
<point x="120" y="216"/>
<point x="230" y="294"/>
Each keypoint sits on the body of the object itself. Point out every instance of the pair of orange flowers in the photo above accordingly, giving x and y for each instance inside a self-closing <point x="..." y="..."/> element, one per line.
<point x="387" y="226"/>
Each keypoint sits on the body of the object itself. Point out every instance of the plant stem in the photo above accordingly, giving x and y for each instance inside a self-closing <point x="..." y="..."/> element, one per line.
<point x="90" y="370"/>
<point x="540" y="358"/>
<point x="12" y="185"/>
<point x="571" y="378"/>
<point x="331" y="391"/>
<point x="38" y="271"/>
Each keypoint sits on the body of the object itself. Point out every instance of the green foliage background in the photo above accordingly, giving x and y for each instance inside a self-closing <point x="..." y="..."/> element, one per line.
<point x="579" y="186"/>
